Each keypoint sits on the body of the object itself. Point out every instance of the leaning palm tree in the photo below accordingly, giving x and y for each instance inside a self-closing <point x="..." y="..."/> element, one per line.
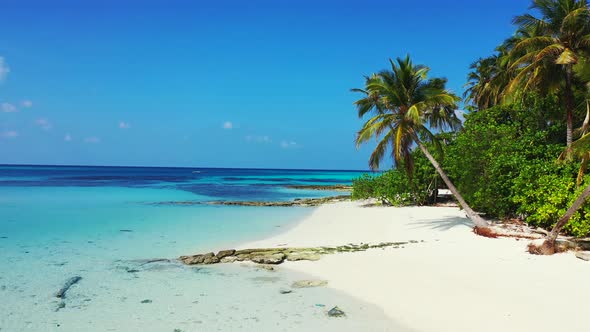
<point x="580" y="149"/>
<point x="546" y="58"/>
<point x="404" y="105"/>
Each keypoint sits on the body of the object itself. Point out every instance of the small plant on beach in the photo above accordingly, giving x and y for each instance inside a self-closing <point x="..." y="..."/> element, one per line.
<point x="390" y="188"/>
<point x="404" y="105"/>
<point x="395" y="187"/>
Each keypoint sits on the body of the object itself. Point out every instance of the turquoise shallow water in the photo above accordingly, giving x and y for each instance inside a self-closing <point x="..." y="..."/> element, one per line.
<point x="56" y="223"/>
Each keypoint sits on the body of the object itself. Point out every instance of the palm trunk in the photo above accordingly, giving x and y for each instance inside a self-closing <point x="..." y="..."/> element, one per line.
<point x="477" y="220"/>
<point x="566" y="217"/>
<point x="569" y="105"/>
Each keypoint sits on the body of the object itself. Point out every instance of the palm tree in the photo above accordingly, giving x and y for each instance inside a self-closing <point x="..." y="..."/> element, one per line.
<point x="489" y="78"/>
<point x="403" y="105"/>
<point x="546" y="58"/>
<point x="479" y="90"/>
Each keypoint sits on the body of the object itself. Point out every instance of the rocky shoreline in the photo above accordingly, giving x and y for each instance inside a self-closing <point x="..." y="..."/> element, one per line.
<point x="303" y="202"/>
<point x="276" y="256"/>
<point x="336" y="187"/>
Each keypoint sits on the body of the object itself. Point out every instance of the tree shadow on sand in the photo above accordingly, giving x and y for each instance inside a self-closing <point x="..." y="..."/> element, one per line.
<point x="445" y="223"/>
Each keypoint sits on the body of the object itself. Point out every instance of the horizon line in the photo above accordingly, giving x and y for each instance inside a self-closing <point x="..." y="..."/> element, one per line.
<point x="190" y="167"/>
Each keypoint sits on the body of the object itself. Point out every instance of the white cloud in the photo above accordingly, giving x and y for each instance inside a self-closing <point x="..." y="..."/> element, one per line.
<point x="27" y="103"/>
<point x="228" y="125"/>
<point x="258" y="139"/>
<point x="4" y="70"/>
<point x="289" y="144"/>
<point x="44" y="123"/>
<point x="67" y="138"/>
<point x="8" y="108"/>
<point x="124" y="125"/>
<point x="10" y="134"/>
<point x="92" y="140"/>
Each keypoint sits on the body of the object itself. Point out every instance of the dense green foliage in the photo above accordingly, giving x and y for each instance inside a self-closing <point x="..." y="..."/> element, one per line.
<point x="490" y="153"/>
<point x="394" y="187"/>
<point x="390" y="188"/>
<point x="543" y="192"/>
<point x="519" y="154"/>
<point x="504" y="162"/>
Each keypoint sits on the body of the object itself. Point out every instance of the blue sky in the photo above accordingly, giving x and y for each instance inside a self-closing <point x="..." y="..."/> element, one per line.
<point x="217" y="83"/>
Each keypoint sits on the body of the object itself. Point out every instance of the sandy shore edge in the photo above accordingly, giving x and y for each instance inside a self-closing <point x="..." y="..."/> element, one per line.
<point x="453" y="281"/>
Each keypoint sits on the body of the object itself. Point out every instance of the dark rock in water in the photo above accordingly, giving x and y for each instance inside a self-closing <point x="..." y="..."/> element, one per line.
<point x="228" y="259"/>
<point x="296" y="202"/>
<point x="300" y="256"/>
<point x="336" y="312"/>
<point x="277" y="258"/>
<point x="69" y="283"/>
<point x="126" y="230"/>
<point x="211" y="260"/>
<point x="266" y="267"/>
<point x="146" y="301"/>
<point x="225" y="253"/>
<point x="258" y="251"/>
<point x="3" y="237"/>
<point x="208" y="258"/>
<point x="60" y="305"/>
<point x="153" y="260"/>
<point x="278" y="255"/>
<point x="132" y="271"/>
<point x="336" y="187"/>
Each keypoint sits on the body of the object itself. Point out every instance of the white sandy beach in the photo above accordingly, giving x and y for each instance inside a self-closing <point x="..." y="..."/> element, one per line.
<point x="453" y="281"/>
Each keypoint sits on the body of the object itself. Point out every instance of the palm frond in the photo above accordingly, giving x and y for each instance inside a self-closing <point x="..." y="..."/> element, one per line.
<point x="379" y="152"/>
<point x="529" y="21"/>
<point x="567" y="57"/>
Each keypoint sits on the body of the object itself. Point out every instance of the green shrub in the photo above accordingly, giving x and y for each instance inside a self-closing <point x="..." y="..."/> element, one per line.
<point x="490" y="152"/>
<point x="543" y="193"/>
<point x="391" y="187"/>
<point x="395" y="187"/>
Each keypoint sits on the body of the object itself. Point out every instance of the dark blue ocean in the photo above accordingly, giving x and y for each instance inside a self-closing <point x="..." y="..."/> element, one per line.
<point x="204" y="183"/>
